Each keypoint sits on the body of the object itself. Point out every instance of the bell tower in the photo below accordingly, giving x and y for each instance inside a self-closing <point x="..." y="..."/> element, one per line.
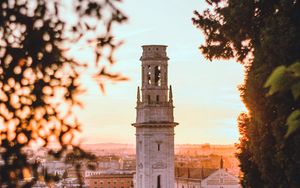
<point x="154" y="122"/>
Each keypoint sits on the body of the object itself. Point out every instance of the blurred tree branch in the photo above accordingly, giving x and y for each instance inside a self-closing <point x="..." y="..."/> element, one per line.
<point x="39" y="82"/>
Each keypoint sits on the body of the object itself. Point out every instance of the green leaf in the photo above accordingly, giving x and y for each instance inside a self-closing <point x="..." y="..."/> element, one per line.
<point x="276" y="81"/>
<point x="293" y="122"/>
<point x="295" y="69"/>
<point x="296" y="90"/>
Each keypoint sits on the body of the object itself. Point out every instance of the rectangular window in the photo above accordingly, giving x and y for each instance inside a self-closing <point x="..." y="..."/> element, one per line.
<point x="158" y="181"/>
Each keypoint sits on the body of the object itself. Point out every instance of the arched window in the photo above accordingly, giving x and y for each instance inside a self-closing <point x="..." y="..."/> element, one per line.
<point x="149" y="75"/>
<point x="149" y="99"/>
<point x="157" y="98"/>
<point x="157" y="76"/>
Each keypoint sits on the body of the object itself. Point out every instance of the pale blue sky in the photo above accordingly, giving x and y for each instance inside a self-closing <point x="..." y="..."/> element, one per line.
<point x="206" y="98"/>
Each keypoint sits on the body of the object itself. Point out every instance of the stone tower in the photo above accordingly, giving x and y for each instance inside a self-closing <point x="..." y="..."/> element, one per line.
<point x="154" y="122"/>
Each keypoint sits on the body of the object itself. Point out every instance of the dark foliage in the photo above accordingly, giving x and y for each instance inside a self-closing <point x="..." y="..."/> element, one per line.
<point x="39" y="82"/>
<point x="262" y="35"/>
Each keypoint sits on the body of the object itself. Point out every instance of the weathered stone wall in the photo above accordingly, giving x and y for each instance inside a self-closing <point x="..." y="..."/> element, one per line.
<point x="155" y="156"/>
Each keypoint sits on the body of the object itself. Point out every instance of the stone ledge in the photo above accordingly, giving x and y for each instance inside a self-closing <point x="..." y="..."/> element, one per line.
<point x="156" y="124"/>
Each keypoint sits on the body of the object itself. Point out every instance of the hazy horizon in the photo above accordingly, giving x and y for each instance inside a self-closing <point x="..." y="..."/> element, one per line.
<point x="115" y="143"/>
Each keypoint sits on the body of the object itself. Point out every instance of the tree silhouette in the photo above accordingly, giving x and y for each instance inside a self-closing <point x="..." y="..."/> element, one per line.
<point x="39" y="81"/>
<point x="262" y="35"/>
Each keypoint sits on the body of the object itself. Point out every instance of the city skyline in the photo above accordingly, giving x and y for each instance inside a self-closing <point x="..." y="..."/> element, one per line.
<point x="149" y="94"/>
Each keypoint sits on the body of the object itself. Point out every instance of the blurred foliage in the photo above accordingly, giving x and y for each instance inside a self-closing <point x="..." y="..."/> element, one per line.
<point x="284" y="79"/>
<point x="39" y="82"/>
<point x="262" y="35"/>
<point x="243" y="122"/>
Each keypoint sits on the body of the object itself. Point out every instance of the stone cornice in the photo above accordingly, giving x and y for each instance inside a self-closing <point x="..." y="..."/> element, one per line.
<point x="158" y="58"/>
<point x="155" y="124"/>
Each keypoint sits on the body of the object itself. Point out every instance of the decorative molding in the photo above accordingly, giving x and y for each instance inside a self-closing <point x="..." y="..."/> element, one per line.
<point x="159" y="165"/>
<point x="140" y="165"/>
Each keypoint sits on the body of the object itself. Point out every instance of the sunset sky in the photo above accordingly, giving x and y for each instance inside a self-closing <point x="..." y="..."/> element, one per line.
<point x="206" y="98"/>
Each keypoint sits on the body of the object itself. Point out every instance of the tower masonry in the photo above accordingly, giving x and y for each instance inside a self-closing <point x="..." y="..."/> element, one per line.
<point x="154" y="122"/>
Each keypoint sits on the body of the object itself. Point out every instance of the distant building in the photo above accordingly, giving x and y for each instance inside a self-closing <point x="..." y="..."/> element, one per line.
<point x="129" y="164"/>
<point x="221" y="179"/>
<point x="109" y="162"/>
<point x="55" y="167"/>
<point x="72" y="172"/>
<point x="191" y="177"/>
<point x="69" y="183"/>
<point x="110" y="180"/>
